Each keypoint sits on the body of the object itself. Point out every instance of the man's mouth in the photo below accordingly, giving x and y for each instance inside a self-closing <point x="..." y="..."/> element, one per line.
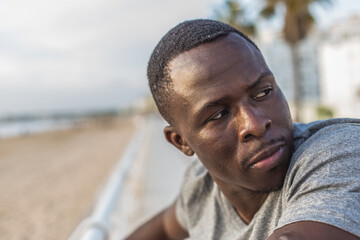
<point x="268" y="158"/>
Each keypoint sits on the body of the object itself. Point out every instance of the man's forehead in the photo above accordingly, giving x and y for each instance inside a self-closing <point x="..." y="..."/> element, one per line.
<point x="202" y="62"/>
<point x="185" y="65"/>
<point x="194" y="58"/>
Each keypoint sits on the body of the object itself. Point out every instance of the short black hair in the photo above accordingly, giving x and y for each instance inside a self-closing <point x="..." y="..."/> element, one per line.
<point x="183" y="37"/>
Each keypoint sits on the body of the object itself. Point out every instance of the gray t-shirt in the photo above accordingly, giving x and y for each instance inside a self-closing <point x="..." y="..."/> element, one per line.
<point x="322" y="184"/>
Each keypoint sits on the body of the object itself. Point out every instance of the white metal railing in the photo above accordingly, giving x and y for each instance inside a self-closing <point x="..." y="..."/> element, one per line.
<point x="97" y="226"/>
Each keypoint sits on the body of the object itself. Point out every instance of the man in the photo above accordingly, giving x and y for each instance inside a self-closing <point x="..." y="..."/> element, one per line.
<point x="259" y="176"/>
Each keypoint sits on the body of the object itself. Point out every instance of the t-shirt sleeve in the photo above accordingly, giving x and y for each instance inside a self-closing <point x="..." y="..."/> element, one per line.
<point x="323" y="183"/>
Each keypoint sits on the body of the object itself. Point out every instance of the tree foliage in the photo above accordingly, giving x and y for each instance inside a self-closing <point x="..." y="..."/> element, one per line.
<point x="298" y="19"/>
<point x="234" y="14"/>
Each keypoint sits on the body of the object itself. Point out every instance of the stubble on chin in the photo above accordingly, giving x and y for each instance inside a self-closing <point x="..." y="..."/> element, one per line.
<point x="272" y="187"/>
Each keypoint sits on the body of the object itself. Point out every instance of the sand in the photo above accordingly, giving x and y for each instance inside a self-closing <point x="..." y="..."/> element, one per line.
<point x="49" y="181"/>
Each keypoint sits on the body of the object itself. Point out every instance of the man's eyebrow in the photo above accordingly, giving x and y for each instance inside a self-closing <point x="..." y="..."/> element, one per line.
<point x="258" y="81"/>
<point x="214" y="103"/>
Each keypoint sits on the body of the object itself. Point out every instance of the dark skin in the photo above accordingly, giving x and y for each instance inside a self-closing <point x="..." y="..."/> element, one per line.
<point x="231" y="113"/>
<point x="232" y="122"/>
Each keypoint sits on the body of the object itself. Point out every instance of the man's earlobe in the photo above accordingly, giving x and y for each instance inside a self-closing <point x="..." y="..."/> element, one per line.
<point x="177" y="140"/>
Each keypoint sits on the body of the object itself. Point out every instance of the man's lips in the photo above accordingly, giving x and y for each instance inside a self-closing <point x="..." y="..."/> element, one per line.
<point x="268" y="158"/>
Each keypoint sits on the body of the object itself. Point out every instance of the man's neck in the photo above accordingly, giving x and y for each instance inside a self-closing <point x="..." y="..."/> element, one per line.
<point x="245" y="201"/>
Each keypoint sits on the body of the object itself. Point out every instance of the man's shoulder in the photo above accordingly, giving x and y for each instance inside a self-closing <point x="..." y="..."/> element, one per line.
<point x="323" y="177"/>
<point x="314" y="132"/>
<point x="327" y="141"/>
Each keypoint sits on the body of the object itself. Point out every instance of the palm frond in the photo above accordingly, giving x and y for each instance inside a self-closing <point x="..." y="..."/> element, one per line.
<point x="268" y="11"/>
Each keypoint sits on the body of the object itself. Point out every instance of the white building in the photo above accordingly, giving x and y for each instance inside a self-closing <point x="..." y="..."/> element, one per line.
<point x="339" y="68"/>
<point x="330" y="67"/>
<point x="278" y="56"/>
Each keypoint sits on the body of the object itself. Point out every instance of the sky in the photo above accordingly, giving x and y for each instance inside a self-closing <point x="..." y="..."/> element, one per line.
<point x="77" y="55"/>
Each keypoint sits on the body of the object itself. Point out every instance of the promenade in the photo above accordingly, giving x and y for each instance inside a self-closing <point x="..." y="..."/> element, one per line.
<point x="153" y="181"/>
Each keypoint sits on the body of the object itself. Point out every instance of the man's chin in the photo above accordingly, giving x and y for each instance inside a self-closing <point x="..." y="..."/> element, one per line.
<point x="276" y="181"/>
<point x="276" y="185"/>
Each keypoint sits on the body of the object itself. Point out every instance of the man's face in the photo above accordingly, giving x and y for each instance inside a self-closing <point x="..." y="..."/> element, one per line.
<point x="229" y="110"/>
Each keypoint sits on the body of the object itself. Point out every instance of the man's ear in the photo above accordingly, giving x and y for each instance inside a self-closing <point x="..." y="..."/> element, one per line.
<point x="177" y="140"/>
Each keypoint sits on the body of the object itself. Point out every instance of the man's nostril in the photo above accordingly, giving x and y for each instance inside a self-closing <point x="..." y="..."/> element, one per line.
<point x="268" y="124"/>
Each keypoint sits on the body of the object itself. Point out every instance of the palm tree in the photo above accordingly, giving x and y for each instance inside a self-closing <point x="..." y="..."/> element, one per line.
<point x="297" y="23"/>
<point x="234" y="15"/>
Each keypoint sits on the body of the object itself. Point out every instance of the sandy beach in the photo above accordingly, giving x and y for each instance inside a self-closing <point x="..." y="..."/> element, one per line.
<point x="49" y="181"/>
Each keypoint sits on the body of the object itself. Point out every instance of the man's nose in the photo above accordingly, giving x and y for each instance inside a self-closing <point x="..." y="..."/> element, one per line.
<point x="252" y="123"/>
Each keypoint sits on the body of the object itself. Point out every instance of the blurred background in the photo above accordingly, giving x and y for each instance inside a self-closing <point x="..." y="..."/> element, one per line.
<point x="73" y="91"/>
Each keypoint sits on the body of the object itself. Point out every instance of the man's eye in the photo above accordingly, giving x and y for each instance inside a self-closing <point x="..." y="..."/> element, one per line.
<point x="263" y="93"/>
<point x="220" y="115"/>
